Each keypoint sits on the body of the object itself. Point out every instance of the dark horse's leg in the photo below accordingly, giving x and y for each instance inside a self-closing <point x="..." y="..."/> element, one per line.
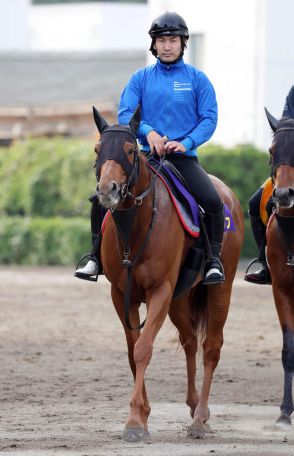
<point x="140" y="430"/>
<point x="284" y="305"/>
<point x="180" y="316"/>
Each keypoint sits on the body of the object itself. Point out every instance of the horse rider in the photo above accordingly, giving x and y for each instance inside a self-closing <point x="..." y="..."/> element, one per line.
<point x="178" y="114"/>
<point x="262" y="274"/>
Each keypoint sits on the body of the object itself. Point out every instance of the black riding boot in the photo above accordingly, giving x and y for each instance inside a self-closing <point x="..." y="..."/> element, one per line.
<point x="262" y="274"/>
<point x="93" y="267"/>
<point x="213" y="270"/>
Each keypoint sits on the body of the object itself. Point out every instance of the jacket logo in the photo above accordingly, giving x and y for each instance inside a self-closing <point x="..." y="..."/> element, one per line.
<point x="179" y="86"/>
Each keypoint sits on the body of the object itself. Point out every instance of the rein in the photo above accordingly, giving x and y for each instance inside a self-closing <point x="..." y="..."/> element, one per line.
<point x="124" y="219"/>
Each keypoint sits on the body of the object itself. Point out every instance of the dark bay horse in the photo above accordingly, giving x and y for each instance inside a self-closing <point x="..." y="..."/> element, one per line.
<point x="156" y="247"/>
<point x="280" y="249"/>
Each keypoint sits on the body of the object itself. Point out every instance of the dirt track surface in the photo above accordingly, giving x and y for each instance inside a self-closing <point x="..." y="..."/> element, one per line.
<point x="66" y="384"/>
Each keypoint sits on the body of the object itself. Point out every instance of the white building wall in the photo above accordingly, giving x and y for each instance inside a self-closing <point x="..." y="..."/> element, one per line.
<point x="279" y="59"/>
<point x="247" y="56"/>
<point x="88" y="26"/>
<point x="14" y="32"/>
<point x="247" y="47"/>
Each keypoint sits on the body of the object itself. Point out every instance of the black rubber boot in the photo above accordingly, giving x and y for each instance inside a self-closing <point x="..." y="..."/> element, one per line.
<point x="93" y="267"/>
<point x="213" y="269"/>
<point x="261" y="275"/>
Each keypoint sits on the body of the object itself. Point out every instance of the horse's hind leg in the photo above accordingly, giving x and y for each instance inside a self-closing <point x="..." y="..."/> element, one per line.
<point x="218" y="301"/>
<point x="179" y="315"/>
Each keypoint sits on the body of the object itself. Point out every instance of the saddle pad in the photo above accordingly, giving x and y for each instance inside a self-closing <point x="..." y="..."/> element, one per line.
<point x="186" y="207"/>
<point x="266" y="195"/>
<point x="185" y="218"/>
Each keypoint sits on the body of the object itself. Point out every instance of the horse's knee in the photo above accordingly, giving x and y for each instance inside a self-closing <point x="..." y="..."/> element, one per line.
<point x="142" y="352"/>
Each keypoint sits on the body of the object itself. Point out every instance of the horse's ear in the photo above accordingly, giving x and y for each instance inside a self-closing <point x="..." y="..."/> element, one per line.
<point x="135" y="120"/>
<point x="271" y="120"/>
<point x="99" y="120"/>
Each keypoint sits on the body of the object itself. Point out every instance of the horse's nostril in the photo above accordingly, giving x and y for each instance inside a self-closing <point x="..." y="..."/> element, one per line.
<point x="114" y="187"/>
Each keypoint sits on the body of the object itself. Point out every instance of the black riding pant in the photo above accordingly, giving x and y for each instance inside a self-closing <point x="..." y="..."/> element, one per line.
<point x="254" y="203"/>
<point x="198" y="182"/>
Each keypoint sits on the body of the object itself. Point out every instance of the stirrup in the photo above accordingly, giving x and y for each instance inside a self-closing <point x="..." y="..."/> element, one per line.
<point x="261" y="276"/>
<point x="214" y="279"/>
<point x="84" y="276"/>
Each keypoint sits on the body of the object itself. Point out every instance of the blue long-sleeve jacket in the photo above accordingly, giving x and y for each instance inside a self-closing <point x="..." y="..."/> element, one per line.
<point x="177" y="101"/>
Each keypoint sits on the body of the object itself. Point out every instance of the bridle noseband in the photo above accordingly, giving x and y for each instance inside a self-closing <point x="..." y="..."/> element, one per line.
<point x="111" y="150"/>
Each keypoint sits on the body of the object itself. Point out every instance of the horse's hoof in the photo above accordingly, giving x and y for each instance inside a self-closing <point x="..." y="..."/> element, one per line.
<point x="283" y="423"/>
<point x="135" y="434"/>
<point x="197" y="430"/>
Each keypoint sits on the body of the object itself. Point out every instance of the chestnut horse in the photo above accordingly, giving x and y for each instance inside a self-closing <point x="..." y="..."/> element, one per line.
<point x="280" y="249"/>
<point x="156" y="247"/>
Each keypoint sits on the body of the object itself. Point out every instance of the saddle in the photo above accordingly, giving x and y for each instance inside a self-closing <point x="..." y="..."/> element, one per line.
<point x="187" y="208"/>
<point x="192" y="218"/>
<point x="185" y="204"/>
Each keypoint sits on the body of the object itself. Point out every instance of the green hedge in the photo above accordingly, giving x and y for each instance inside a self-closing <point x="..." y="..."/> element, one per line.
<point x="43" y="241"/>
<point x="45" y="185"/>
<point x="47" y="177"/>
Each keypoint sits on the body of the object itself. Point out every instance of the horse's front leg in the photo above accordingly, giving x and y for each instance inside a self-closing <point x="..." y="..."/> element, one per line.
<point x="132" y="336"/>
<point x="158" y="301"/>
<point x="284" y="306"/>
<point x="218" y="305"/>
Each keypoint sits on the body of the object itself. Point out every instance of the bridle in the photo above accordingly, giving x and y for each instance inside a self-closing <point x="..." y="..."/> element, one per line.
<point x="108" y="153"/>
<point x="124" y="216"/>
<point x="277" y="159"/>
<point x="285" y="223"/>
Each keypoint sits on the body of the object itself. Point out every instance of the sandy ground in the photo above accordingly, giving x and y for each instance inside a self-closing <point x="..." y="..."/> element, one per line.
<point x="66" y="384"/>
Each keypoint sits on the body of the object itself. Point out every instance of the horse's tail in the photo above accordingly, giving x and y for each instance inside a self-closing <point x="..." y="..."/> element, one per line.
<point x="199" y="311"/>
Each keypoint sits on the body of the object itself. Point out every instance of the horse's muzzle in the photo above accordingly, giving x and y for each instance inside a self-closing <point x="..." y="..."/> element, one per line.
<point x="108" y="195"/>
<point x="284" y="197"/>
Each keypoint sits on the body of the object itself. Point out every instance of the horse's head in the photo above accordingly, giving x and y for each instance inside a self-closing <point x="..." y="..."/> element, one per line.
<point x="117" y="159"/>
<point x="282" y="160"/>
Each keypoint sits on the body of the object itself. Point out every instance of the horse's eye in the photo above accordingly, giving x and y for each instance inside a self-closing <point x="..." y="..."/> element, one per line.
<point x="131" y="152"/>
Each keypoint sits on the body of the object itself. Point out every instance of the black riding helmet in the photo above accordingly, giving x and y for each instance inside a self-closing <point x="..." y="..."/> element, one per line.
<point x="168" y="23"/>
